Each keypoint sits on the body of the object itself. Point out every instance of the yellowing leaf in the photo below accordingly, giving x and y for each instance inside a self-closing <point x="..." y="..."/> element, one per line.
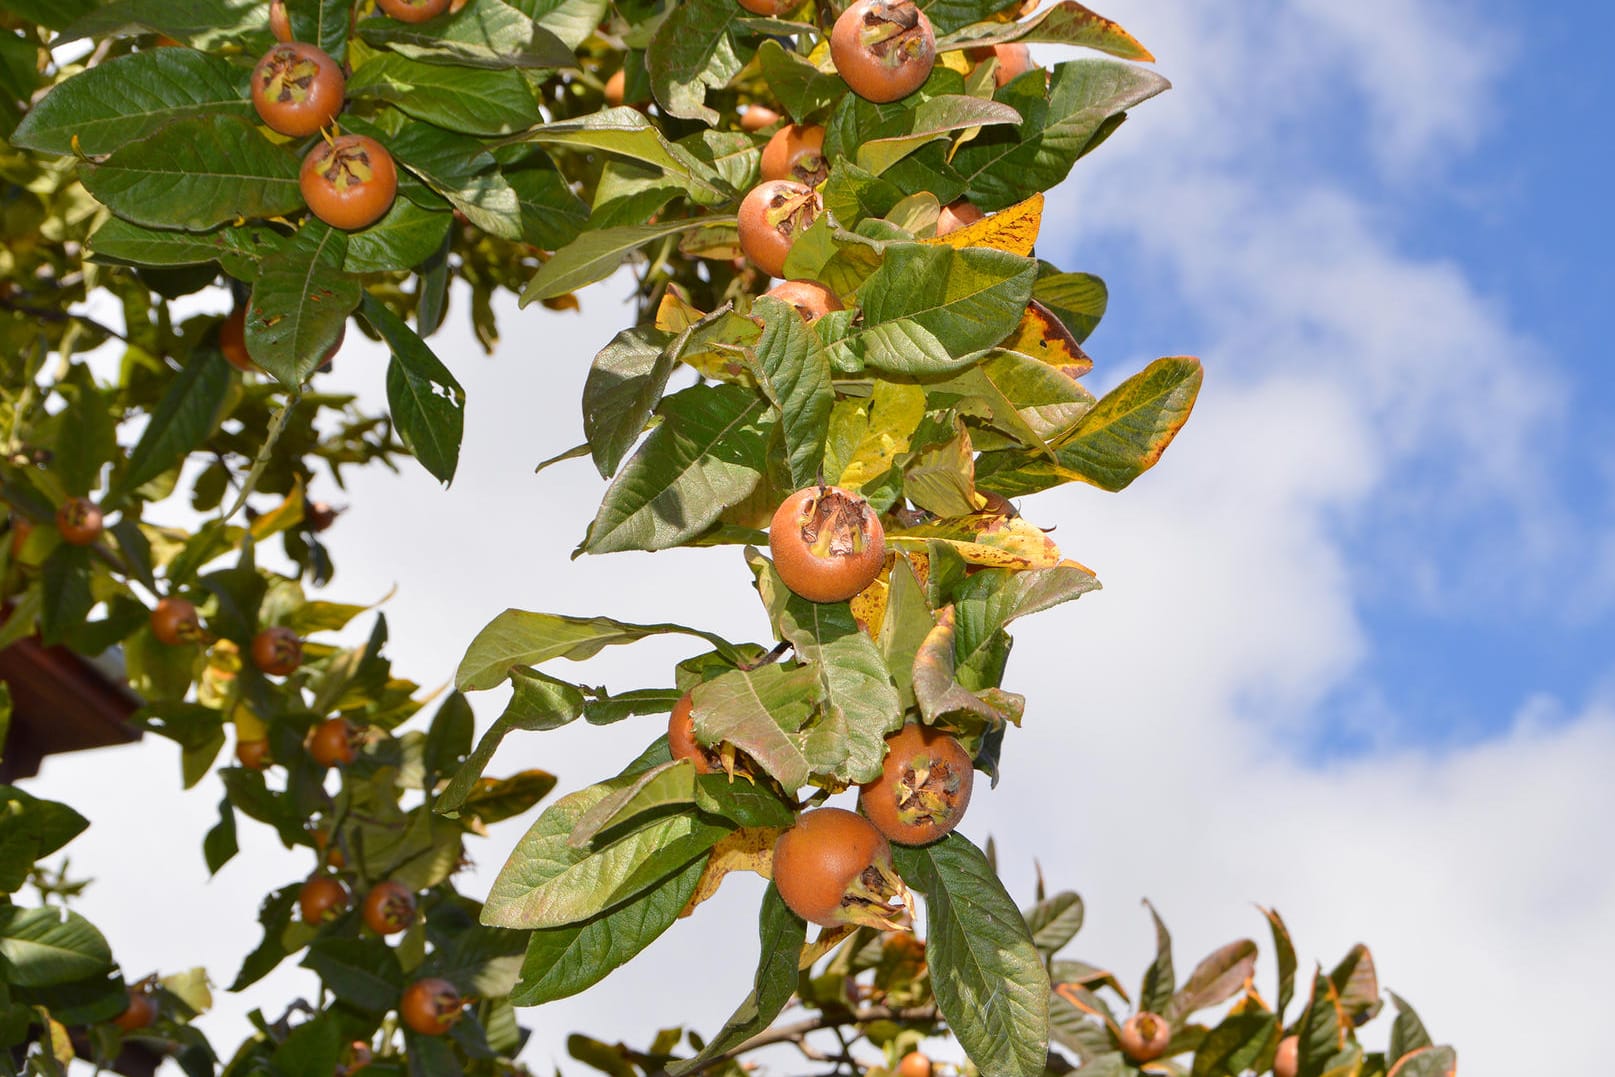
<point x="1044" y="337"/>
<point x="287" y="514"/>
<point x="674" y="314"/>
<point x="867" y="435"/>
<point x="869" y="605"/>
<point x="747" y="849"/>
<point x="1014" y="229"/>
<point x="983" y="539"/>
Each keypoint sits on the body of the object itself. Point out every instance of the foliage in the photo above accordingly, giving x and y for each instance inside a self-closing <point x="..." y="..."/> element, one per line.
<point x="949" y="379"/>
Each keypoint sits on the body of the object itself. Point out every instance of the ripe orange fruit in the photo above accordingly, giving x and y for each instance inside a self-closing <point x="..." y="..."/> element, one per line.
<point x="924" y="786"/>
<point x="833" y="867"/>
<point x="827" y="543"/>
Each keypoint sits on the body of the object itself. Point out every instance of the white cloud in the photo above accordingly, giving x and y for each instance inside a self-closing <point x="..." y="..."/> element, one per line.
<point x="1348" y="384"/>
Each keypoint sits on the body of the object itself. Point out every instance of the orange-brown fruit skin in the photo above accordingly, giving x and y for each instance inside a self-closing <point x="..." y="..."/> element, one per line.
<point x="413" y="10"/>
<point x="233" y="341"/>
<point x="277" y="651"/>
<point x="765" y="243"/>
<point x="322" y="898"/>
<point x="280" y="23"/>
<point x="818" y="858"/>
<point x="322" y="98"/>
<point x="1144" y="1036"/>
<point x="757" y="117"/>
<point x="21" y="528"/>
<point x="388" y="908"/>
<point x="795" y="152"/>
<point x="331" y="744"/>
<point x="955" y="215"/>
<point x="430" y="1006"/>
<point x="824" y="579"/>
<point x="910" y="749"/>
<point x="1014" y="60"/>
<point x="914" y="1064"/>
<point x="811" y="299"/>
<point x="140" y="1013"/>
<point x="768" y="8"/>
<point x="681" y="740"/>
<point x="345" y="201"/>
<point x="615" y="87"/>
<point x="870" y="75"/>
<point x="1287" y="1059"/>
<point x="174" y="621"/>
<point x="330" y="854"/>
<point x="253" y="754"/>
<point x="79" y="521"/>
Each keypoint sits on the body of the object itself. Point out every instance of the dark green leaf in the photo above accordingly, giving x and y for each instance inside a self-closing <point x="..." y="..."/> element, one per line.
<point x="694" y="50"/>
<point x="624" y="385"/>
<point x="364" y="972"/>
<point x="488" y="34"/>
<point x="794" y="370"/>
<point x="466" y="100"/>
<point x="67" y="597"/>
<point x="428" y="405"/>
<point x="187" y="414"/>
<point x="47" y="946"/>
<point x="300" y="303"/>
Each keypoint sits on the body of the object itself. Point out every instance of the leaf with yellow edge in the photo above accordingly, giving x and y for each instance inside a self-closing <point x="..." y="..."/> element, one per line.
<point x="1043" y="336"/>
<point x="983" y="539"/>
<point x="869" y="605"/>
<point x="746" y="849"/>
<point x="828" y="940"/>
<point x="61" y="1044"/>
<point x="1014" y="229"/>
<point x="866" y="436"/>
<point x="940" y="695"/>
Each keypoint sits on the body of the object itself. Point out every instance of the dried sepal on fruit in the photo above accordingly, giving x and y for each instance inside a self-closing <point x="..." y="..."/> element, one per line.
<point x="828" y="544"/>
<point x="175" y="622"/>
<point x="796" y="152"/>
<point x="277" y="651"/>
<point x="883" y="49"/>
<point x="322" y="898"/>
<point x="924" y="786"/>
<point x="349" y="182"/>
<point x="79" y="521"/>
<point x="430" y="1006"/>
<point x="1144" y="1036"/>
<point x="297" y="89"/>
<point x="833" y="868"/>
<point x="771" y="216"/>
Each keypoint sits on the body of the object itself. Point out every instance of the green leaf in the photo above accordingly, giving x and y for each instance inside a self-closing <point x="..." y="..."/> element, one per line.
<point x="1284" y="956"/>
<point x="202" y="23"/>
<point x="1159" y="979"/>
<point x="190" y="410"/>
<point x="404" y="238"/>
<point x="1320" y="1029"/>
<point x="275" y="914"/>
<point x="448" y="740"/>
<point x="990" y="982"/>
<point x="573" y="21"/>
<point x="130" y="97"/>
<point x="315" y="1046"/>
<point x="482" y="962"/>
<point x="1077" y="299"/>
<point x="625" y="132"/>
<point x="1358" y="986"/>
<point x="51" y="14"/>
<point x="30" y="829"/>
<point x="930" y="309"/>
<point x="933" y="118"/>
<point x="67" y="598"/>
<point x="219" y="844"/>
<point x="547" y="882"/>
<point x="561" y="961"/>
<point x="518" y="638"/>
<point x="796" y="83"/>
<point x="48" y="946"/>
<point x="987" y="602"/>
<point x="1235" y="1046"/>
<point x="693" y="51"/>
<point x="1219" y="977"/>
<point x="466" y="100"/>
<point x="300" y="303"/>
<point x="709" y="453"/>
<point x="195" y="174"/>
<point x="487" y="34"/>
<point x="624" y="385"/>
<point x="1086" y="99"/>
<point x="857" y="702"/>
<point x="495" y="800"/>
<point x="1055" y="921"/>
<point x="538" y="703"/>
<point x="427" y="403"/>
<point x="1119" y="439"/>
<point x="596" y="254"/>
<point x="782" y="935"/>
<point x="794" y="370"/>
<point x="238" y="249"/>
<point x="364" y="972"/>
<point x="1408" y="1033"/>
<point x="760" y="712"/>
<point x="459" y="168"/>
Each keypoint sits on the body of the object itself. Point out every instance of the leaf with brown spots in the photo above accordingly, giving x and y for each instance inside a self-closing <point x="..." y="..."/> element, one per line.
<point x="1042" y="335"/>
<point x="1014" y="229"/>
<point x="747" y="849"/>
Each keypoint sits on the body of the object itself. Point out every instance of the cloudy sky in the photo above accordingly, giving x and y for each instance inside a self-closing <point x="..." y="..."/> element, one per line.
<point x="1353" y="656"/>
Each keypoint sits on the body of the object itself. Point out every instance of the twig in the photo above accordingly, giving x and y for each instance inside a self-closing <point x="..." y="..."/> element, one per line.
<point x="277" y="427"/>
<point x="795" y="1033"/>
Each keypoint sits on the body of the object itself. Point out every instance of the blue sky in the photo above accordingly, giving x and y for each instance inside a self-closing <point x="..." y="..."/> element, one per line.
<point x="1523" y="212"/>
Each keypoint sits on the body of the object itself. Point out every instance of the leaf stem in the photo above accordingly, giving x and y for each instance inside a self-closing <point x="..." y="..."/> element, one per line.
<point x="277" y="427"/>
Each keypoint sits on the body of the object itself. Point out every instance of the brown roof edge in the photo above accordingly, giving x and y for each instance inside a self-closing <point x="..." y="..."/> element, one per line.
<point x="61" y="702"/>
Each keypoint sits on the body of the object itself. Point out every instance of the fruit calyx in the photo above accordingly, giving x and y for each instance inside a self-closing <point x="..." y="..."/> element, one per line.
<point x="834" y="524"/>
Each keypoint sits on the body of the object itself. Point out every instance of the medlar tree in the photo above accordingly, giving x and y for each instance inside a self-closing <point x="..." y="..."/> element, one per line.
<point x="332" y="165"/>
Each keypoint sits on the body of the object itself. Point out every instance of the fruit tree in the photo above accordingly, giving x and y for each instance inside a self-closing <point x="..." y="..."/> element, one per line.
<point x="831" y="217"/>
